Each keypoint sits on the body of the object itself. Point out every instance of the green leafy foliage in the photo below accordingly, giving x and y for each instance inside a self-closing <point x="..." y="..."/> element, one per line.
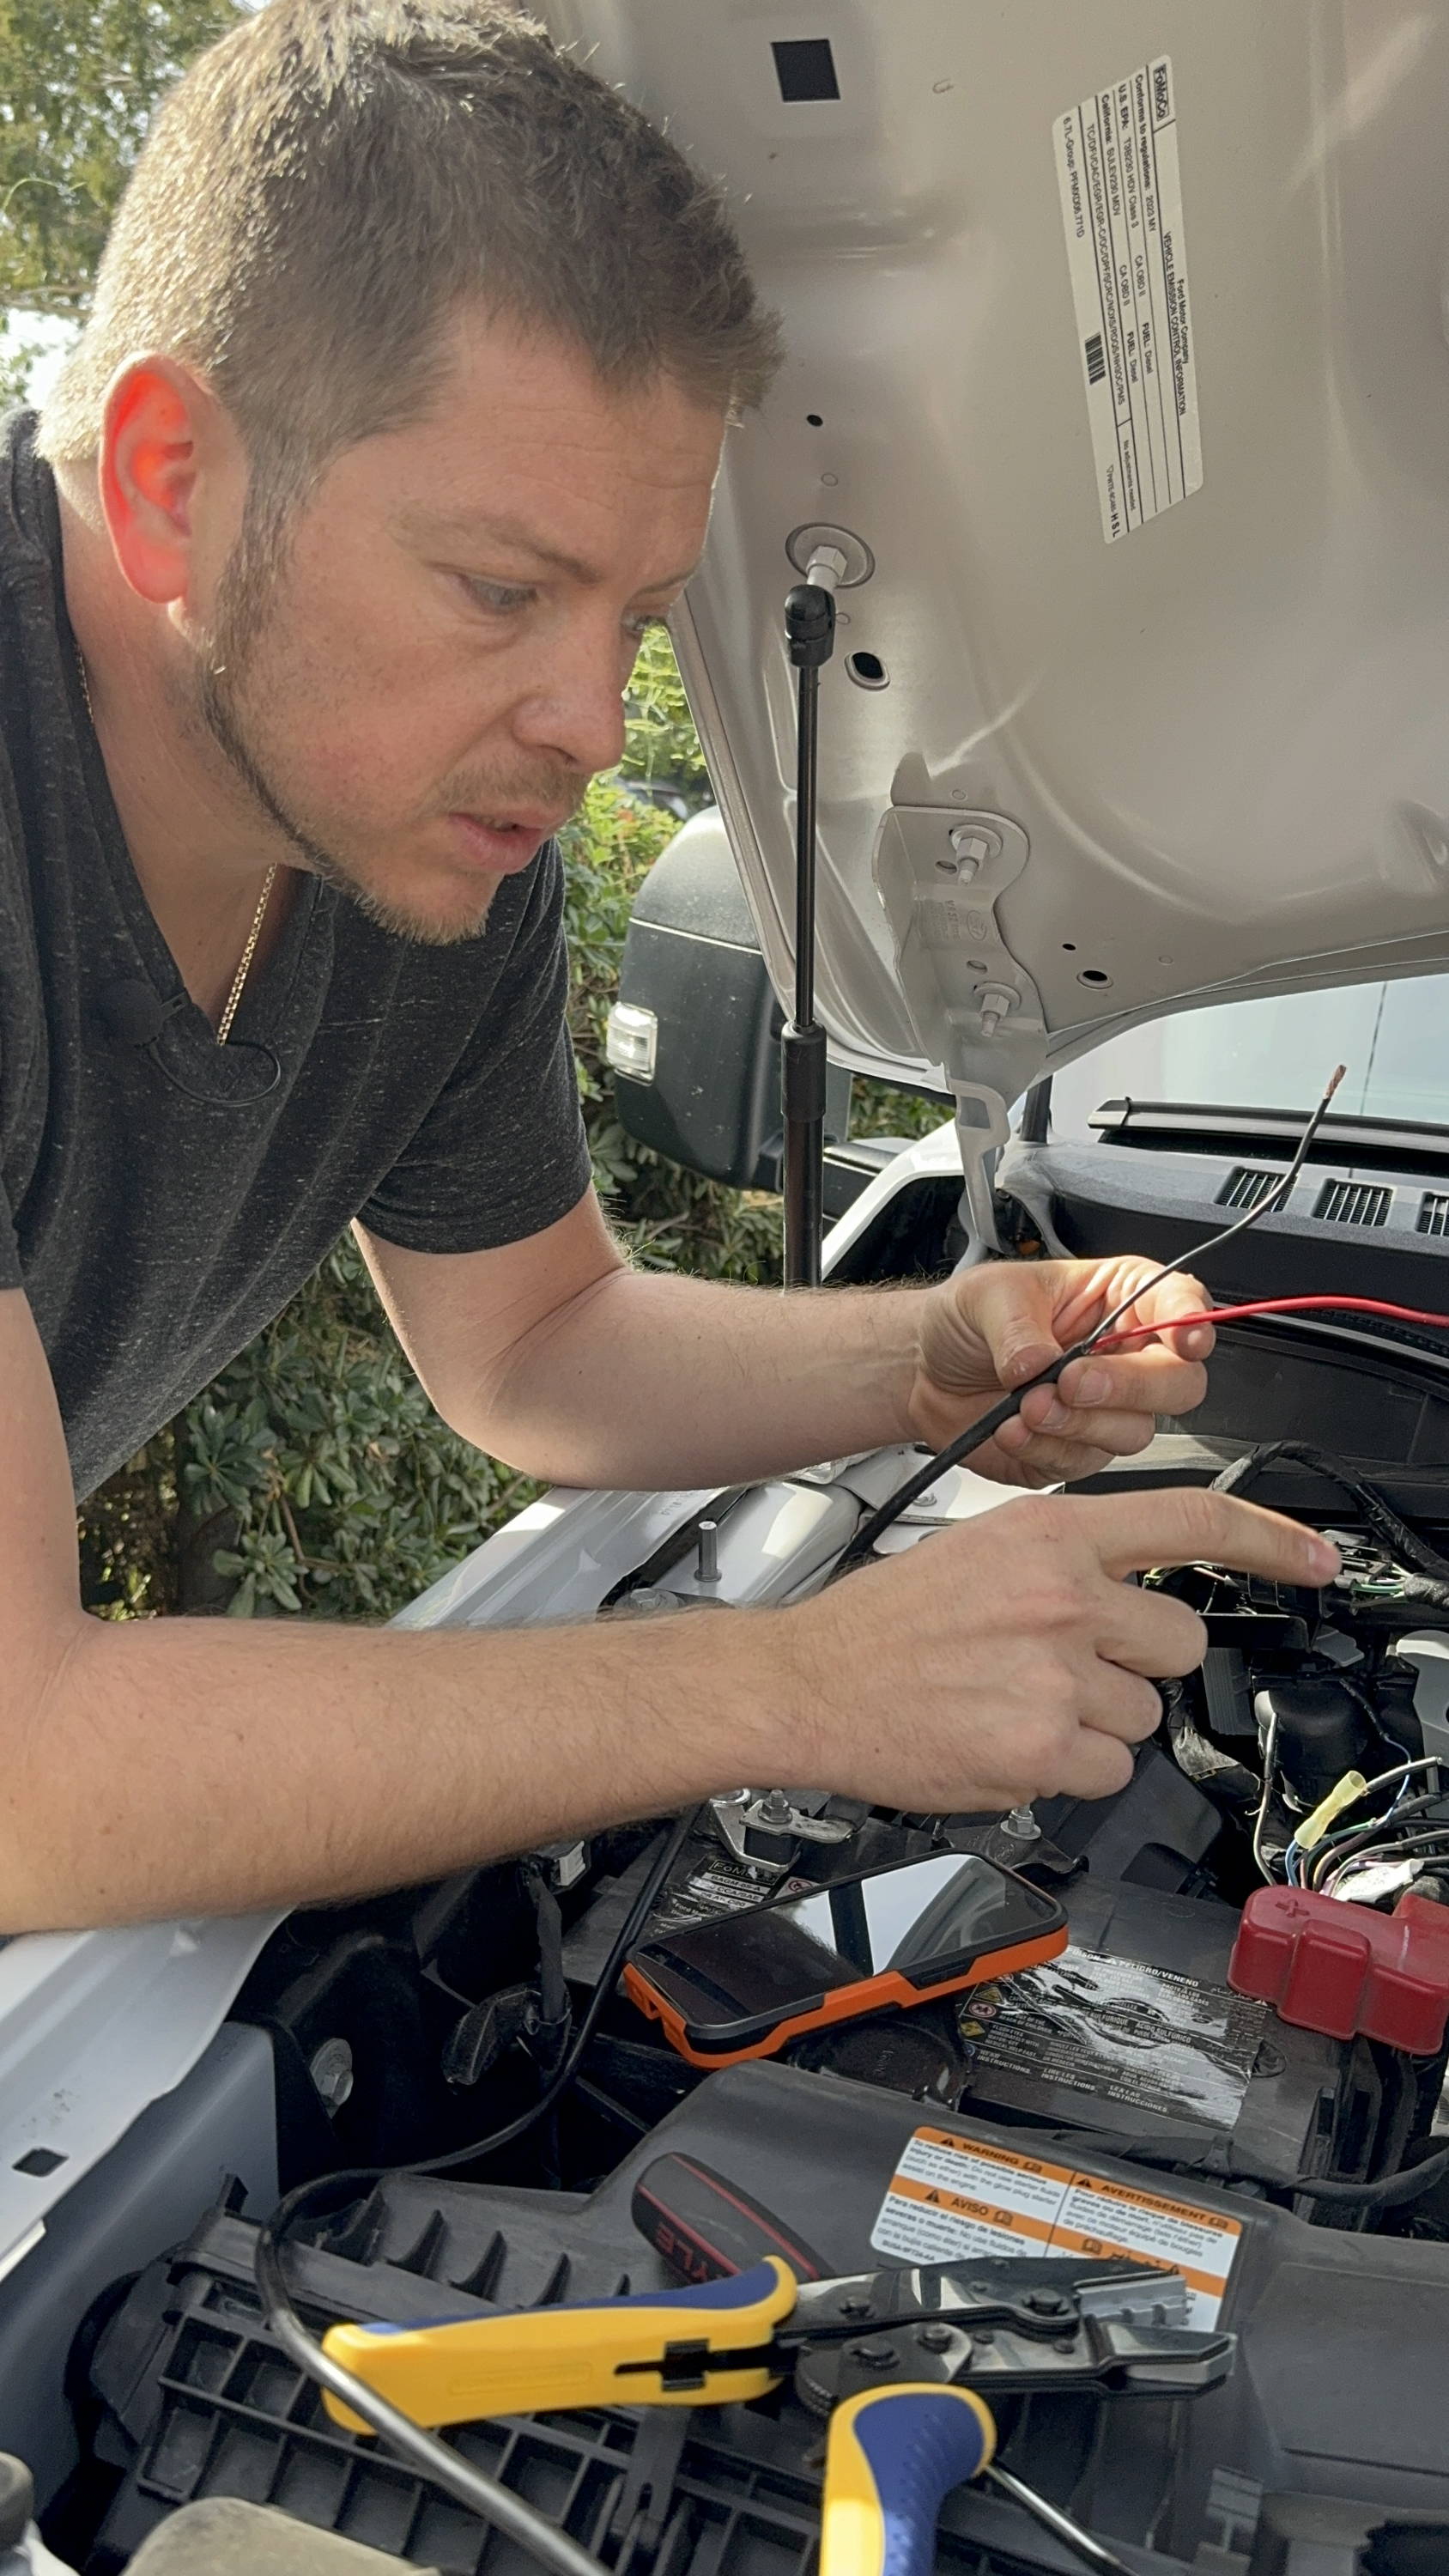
<point x="318" y="1463"/>
<point x="78" y="81"/>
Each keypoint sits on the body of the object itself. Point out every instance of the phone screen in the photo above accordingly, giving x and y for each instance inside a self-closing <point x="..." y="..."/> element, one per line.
<point x="921" y="1918"/>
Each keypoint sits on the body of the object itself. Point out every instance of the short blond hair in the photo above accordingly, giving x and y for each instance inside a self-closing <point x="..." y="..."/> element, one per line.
<point x="333" y="179"/>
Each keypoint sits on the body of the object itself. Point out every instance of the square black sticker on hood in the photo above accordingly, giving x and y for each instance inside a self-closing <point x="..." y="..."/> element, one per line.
<point x="805" y="68"/>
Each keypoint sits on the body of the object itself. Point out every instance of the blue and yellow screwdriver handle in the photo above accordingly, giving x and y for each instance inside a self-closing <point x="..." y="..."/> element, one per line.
<point x="611" y="2352"/>
<point x="894" y="2455"/>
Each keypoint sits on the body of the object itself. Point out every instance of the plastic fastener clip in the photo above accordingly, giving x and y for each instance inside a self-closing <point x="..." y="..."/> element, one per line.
<point x="1345" y="1971"/>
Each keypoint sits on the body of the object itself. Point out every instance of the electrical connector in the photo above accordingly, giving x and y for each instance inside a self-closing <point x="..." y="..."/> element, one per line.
<point x="1345" y="1793"/>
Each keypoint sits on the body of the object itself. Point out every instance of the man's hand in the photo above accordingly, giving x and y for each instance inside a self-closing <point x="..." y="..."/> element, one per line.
<point x="988" y="1330"/>
<point x="1009" y="1659"/>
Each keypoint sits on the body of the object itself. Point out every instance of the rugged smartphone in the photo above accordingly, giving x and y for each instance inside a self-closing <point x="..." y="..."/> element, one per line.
<point x="745" y="1984"/>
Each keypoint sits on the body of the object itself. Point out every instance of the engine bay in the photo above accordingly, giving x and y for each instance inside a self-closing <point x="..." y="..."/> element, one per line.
<point x="1124" y="2098"/>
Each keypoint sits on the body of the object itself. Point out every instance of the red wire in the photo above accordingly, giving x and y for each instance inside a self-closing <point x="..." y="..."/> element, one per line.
<point x="1280" y="1306"/>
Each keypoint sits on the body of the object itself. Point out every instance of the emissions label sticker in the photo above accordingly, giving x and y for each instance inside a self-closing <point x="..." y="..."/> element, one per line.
<point x="1124" y="2031"/>
<point x="1117" y="168"/>
<point x="952" y="2198"/>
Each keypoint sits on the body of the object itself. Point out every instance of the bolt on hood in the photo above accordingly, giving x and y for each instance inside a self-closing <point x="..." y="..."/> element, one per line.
<point x="1202" y="741"/>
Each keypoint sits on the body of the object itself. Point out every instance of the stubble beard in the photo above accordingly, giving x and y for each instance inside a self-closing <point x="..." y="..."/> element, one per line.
<point x="245" y="599"/>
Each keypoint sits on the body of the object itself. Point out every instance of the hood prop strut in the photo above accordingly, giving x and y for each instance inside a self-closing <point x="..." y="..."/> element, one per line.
<point x="810" y="633"/>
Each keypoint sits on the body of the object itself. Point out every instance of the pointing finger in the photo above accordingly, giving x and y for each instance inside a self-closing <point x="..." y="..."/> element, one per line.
<point x="1189" y="1525"/>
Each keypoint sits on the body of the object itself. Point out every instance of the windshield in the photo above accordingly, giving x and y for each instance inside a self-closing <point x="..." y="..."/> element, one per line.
<point x="1277" y="1055"/>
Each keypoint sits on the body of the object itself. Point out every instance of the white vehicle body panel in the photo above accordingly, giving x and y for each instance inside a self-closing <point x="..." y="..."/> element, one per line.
<point x="1220" y="742"/>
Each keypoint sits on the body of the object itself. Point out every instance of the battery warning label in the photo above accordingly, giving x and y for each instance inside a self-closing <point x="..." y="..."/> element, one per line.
<point x="1117" y="168"/>
<point x="953" y="2198"/>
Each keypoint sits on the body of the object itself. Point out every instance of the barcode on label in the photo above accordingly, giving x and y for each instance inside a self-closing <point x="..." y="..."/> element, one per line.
<point x="1096" y="359"/>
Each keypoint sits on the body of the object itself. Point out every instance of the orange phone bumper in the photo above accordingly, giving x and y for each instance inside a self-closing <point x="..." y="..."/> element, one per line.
<point x="850" y="2003"/>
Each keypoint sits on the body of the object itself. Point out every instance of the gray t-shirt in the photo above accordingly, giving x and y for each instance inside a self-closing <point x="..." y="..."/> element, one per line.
<point x="162" y="1197"/>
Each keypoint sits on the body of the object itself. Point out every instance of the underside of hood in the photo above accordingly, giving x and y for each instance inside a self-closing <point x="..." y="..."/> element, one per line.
<point x="1116" y="343"/>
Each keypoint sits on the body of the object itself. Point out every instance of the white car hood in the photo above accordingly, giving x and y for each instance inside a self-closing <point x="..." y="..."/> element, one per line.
<point x="1211" y="756"/>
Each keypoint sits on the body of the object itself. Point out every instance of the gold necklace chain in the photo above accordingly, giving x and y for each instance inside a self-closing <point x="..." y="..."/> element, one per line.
<point x="238" y="981"/>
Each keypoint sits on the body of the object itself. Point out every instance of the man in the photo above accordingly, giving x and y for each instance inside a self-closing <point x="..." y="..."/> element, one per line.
<point x="394" y="425"/>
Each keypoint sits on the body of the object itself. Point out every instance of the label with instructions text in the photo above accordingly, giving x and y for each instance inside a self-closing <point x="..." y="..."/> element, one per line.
<point x="951" y="2199"/>
<point x="1121" y="193"/>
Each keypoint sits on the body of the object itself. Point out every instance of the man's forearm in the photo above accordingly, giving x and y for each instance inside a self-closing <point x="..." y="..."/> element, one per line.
<point x="228" y="1768"/>
<point x="644" y="1381"/>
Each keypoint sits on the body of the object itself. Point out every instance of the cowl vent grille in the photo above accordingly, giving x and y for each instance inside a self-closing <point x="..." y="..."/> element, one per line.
<point x="1246" y="1187"/>
<point x="1434" y="1212"/>
<point x="1353" y="1203"/>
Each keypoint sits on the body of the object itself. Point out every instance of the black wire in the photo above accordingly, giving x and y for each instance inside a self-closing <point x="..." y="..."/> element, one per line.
<point x="1389" y="2191"/>
<point x="423" y="2451"/>
<point x="1394" y="1533"/>
<point x="990" y="1423"/>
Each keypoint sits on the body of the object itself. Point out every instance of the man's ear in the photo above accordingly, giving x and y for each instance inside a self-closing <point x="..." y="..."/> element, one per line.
<point x="163" y="438"/>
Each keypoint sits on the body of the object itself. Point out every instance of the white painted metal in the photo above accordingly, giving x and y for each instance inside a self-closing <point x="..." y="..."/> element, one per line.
<point x="1224" y="736"/>
<point x="93" y="2027"/>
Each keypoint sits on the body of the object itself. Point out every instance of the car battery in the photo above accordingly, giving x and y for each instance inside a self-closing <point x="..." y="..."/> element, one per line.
<point x="1134" y="2033"/>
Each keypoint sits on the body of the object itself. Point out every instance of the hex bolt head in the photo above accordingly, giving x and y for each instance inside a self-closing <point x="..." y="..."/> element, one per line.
<point x="1047" y="2303"/>
<point x="934" y="2338"/>
<point x="332" y="2073"/>
<point x="974" y="846"/>
<point x="876" y="2356"/>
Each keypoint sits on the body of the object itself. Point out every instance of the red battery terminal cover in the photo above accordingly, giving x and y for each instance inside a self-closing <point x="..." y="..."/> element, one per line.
<point x="1344" y="1970"/>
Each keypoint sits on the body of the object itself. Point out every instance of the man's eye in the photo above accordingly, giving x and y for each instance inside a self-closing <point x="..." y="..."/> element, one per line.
<point x="500" y="598"/>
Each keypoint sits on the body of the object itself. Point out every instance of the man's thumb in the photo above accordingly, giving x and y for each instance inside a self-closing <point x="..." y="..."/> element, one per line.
<point x="1015" y="1317"/>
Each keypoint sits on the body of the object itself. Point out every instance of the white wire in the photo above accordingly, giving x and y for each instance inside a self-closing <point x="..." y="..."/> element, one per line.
<point x="1315" y="1858"/>
<point x="1427" y="1853"/>
<point x="1270" y="1756"/>
<point x="1404" y="1770"/>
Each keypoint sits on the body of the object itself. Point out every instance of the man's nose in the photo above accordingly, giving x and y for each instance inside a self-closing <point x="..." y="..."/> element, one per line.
<point x="575" y="707"/>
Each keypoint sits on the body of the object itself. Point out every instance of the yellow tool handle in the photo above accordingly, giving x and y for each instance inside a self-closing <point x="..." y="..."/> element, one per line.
<point x="610" y="2353"/>
<point x="893" y="2457"/>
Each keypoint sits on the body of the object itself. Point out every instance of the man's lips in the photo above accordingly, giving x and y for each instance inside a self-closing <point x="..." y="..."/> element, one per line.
<point x="502" y="845"/>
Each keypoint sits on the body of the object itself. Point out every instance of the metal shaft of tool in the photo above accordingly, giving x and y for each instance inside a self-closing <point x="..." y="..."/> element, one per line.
<point x="1052" y="2519"/>
<point x="810" y="630"/>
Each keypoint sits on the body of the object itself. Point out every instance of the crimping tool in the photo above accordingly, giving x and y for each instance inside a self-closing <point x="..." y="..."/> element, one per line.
<point x="883" y="2354"/>
<point x="1108" y="2327"/>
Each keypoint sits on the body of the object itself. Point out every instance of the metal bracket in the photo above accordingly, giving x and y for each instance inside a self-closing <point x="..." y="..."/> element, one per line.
<point x="750" y="1821"/>
<point x="941" y="873"/>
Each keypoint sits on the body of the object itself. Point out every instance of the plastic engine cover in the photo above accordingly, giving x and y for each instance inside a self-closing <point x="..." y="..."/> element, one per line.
<point x="1336" y="2390"/>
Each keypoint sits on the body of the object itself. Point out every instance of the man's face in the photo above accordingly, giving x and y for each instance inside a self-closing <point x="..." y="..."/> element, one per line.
<point x="421" y="694"/>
